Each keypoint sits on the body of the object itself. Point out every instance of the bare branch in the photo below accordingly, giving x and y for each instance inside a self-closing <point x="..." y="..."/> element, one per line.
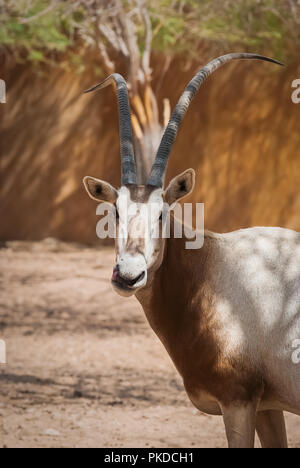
<point x="148" y="39"/>
<point x="136" y="127"/>
<point x="109" y="35"/>
<point x="167" y="112"/>
<point x="151" y="106"/>
<point x="139" y="109"/>
<point x="38" y="15"/>
<point x="129" y="34"/>
<point x="123" y="47"/>
<point x="108" y="63"/>
<point x="294" y="6"/>
<point x="162" y="75"/>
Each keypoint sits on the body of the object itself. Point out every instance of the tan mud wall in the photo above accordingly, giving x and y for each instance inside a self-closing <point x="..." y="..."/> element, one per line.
<point x="241" y="135"/>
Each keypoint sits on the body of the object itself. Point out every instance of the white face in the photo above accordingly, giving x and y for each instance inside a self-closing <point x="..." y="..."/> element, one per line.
<point x="139" y="245"/>
<point x="142" y="210"/>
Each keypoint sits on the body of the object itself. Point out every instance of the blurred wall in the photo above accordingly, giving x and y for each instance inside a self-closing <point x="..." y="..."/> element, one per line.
<point x="241" y="134"/>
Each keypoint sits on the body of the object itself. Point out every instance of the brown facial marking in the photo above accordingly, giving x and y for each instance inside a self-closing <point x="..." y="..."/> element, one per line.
<point x="135" y="245"/>
<point x="140" y="193"/>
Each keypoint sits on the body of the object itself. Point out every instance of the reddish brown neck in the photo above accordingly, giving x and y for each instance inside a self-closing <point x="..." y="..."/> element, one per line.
<point x="181" y="282"/>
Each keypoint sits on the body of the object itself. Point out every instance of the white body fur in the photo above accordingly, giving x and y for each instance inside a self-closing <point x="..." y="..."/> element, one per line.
<point x="257" y="281"/>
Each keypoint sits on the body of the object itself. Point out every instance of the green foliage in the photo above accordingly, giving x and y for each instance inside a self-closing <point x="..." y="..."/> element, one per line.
<point x="168" y="32"/>
<point x="262" y="25"/>
<point x="251" y="23"/>
<point x="41" y="27"/>
<point x="48" y="32"/>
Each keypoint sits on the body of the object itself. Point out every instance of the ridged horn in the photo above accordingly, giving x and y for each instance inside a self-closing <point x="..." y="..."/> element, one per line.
<point x="126" y="144"/>
<point x="160" y="164"/>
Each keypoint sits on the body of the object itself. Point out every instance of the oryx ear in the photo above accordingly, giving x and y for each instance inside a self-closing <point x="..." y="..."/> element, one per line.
<point x="99" y="190"/>
<point x="180" y="186"/>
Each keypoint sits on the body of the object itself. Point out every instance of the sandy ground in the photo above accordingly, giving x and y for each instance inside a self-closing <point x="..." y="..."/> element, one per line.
<point x="83" y="367"/>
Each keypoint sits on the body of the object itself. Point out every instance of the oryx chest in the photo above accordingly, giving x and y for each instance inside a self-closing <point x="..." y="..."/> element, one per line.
<point x="207" y="355"/>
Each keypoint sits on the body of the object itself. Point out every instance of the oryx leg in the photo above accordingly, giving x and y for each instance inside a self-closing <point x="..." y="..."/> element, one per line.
<point x="240" y="422"/>
<point x="270" y="426"/>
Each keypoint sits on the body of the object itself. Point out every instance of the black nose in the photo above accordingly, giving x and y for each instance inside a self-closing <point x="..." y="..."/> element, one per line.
<point x="123" y="281"/>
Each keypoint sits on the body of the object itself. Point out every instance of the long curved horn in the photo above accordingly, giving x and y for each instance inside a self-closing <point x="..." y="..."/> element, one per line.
<point x="127" y="152"/>
<point x="169" y="137"/>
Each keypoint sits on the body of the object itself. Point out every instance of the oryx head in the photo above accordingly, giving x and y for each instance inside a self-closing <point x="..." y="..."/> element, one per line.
<point x="140" y="208"/>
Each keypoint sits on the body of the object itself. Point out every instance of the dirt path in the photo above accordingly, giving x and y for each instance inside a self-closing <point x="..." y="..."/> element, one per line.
<point x="84" y="369"/>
